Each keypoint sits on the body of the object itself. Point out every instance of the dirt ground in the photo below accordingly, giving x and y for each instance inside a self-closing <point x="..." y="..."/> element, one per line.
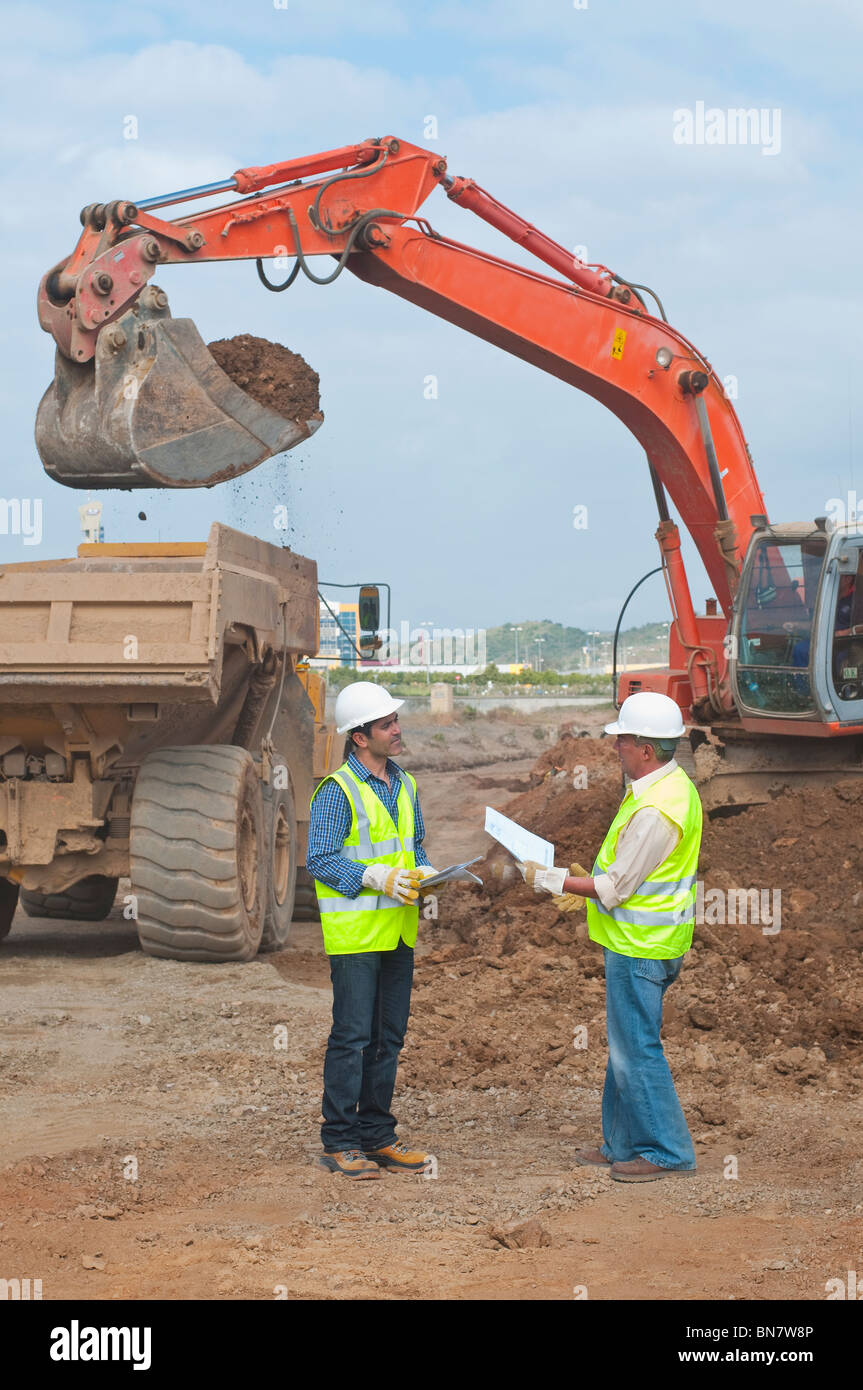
<point x="158" y="1120"/>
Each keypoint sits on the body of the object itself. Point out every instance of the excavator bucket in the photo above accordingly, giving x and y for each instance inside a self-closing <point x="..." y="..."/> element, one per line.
<point x="153" y="409"/>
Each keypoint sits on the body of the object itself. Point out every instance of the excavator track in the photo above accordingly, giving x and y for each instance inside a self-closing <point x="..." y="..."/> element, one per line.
<point x="734" y="767"/>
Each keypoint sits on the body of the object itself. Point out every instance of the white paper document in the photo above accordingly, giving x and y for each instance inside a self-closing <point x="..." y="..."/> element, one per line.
<point x="520" y="842"/>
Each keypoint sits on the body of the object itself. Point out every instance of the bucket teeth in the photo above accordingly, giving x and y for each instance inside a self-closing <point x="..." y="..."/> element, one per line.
<point x="153" y="409"/>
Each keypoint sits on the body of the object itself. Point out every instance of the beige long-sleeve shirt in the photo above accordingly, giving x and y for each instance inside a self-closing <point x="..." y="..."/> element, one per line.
<point x="644" y="842"/>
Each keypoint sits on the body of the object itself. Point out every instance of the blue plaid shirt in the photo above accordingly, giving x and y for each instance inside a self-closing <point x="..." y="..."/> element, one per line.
<point x="331" y="822"/>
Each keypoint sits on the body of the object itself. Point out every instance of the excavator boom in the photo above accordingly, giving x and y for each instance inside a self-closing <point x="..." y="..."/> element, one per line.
<point x="138" y="401"/>
<point x="591" y="328"/>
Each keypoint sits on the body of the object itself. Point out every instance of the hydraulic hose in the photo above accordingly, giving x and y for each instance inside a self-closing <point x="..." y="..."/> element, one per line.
<point x="657" y="570"/>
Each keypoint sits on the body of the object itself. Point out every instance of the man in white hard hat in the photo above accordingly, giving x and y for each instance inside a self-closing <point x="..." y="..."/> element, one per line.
<point x="641" y="910"/>
<point x="367" y="859"/>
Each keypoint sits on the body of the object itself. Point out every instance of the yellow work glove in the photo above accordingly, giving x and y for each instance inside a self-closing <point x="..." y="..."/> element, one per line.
<point x="571" y="902"/>
<point x="542" y="880"/>
<point x="401" y="884"/>
<point x="426" y="871"/>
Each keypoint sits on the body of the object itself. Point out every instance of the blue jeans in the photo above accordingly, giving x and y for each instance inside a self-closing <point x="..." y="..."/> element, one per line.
<point x="371" y="1004"/>
<point x="641" y="1115"/>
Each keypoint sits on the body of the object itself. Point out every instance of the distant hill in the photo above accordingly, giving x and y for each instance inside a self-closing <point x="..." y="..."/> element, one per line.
<point x="562" y="648"/>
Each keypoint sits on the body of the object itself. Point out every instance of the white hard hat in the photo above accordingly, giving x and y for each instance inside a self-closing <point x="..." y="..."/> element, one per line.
<point x="650" y="715"/>
<point x="361" y="703"/>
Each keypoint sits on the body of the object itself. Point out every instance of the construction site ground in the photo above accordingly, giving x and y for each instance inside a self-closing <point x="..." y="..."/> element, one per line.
<point x="160" y="1119"/>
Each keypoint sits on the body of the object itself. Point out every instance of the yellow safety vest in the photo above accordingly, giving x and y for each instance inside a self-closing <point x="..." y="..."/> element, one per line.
<point x="371" y="921"/>
<point x="657" y="921"/>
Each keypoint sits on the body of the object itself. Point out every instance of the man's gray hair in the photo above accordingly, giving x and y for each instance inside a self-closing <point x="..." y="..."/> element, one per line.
<point x="663" y="748"/>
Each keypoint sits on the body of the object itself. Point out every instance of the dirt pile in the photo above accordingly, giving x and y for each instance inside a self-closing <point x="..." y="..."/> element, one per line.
<point x="753" y="1003"/>
<point x="271" y="374"/>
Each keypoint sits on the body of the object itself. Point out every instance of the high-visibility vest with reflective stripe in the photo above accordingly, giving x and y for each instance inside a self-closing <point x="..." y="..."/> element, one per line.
<point x="371" y="921"/>
<point x="657" y="921"/>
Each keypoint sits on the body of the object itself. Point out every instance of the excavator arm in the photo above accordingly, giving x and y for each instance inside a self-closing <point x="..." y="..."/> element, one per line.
<point x="138" y="400"/>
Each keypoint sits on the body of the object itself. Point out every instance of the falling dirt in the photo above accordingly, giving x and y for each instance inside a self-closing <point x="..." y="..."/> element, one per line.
<point x="271" y="374"/>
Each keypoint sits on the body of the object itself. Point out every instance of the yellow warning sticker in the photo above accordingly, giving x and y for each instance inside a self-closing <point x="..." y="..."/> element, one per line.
<point x="618" y="343"/>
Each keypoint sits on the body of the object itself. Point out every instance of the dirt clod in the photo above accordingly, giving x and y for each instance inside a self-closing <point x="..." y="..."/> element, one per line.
<point x="700" y="1017"/>
<point x="521" y="1235"/>
<point x="271" y="374"/>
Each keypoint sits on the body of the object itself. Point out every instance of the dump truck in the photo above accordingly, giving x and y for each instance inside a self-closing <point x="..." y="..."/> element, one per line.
<point x="158" y="723"/>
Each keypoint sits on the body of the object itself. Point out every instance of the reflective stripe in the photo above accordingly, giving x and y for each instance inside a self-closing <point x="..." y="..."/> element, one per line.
<point x="377" y="847"/>
<point x="672" y="885"/>
<point x="651" y="919"/>
<point x="410" y="791"/>
<point x="371" y="902"/>
<point x="364" y="848"/>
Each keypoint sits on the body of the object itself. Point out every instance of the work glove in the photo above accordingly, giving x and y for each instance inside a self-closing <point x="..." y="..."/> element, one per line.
<point x="401" y="884"/>
<point x="542" y="880"/>
<point x="571" y="902"/>
<point x="426" y="871"/>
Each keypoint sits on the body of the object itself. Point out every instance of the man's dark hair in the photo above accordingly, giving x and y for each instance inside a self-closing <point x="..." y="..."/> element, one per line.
<point x="349" y="741"/>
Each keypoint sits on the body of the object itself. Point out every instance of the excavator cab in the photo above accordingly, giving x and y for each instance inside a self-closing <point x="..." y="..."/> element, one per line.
<point x="797" y="635"/>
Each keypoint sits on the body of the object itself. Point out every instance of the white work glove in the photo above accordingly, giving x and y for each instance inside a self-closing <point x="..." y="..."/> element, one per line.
<point x="571" y="902"/>
<point x="543" y="880"/>
<point x="401" y="884"/>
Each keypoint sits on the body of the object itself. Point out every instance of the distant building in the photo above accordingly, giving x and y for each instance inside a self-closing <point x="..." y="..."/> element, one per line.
<point x="338" y="640"/>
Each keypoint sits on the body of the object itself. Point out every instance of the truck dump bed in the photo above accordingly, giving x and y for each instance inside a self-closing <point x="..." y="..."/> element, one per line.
<point x="144" y="623"/>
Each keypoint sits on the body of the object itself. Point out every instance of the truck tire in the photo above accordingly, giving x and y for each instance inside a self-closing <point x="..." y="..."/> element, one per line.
<point x="306" y="899"/>
<point x="8" y="904"/>
<point x="88" y="900"/>
<point x="280" y="860"/>
<point x="195" y="854"/>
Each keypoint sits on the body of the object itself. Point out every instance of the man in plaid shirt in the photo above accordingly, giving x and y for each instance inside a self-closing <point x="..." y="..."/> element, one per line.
<point x="367" y="858"/>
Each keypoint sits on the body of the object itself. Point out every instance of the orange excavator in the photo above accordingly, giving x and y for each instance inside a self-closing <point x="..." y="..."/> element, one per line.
<point x="771" y="673"/>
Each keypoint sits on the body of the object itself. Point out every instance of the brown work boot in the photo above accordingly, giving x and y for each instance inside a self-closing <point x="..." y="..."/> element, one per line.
<point x="397" y="1155"/>
<point x="642" y="1170"/>
<point x="351" y="1163"/>
<point x="592" y="1158"/>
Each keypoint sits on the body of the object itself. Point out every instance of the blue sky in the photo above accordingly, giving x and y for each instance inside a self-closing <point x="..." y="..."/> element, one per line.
<point x="464" y="503"/>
